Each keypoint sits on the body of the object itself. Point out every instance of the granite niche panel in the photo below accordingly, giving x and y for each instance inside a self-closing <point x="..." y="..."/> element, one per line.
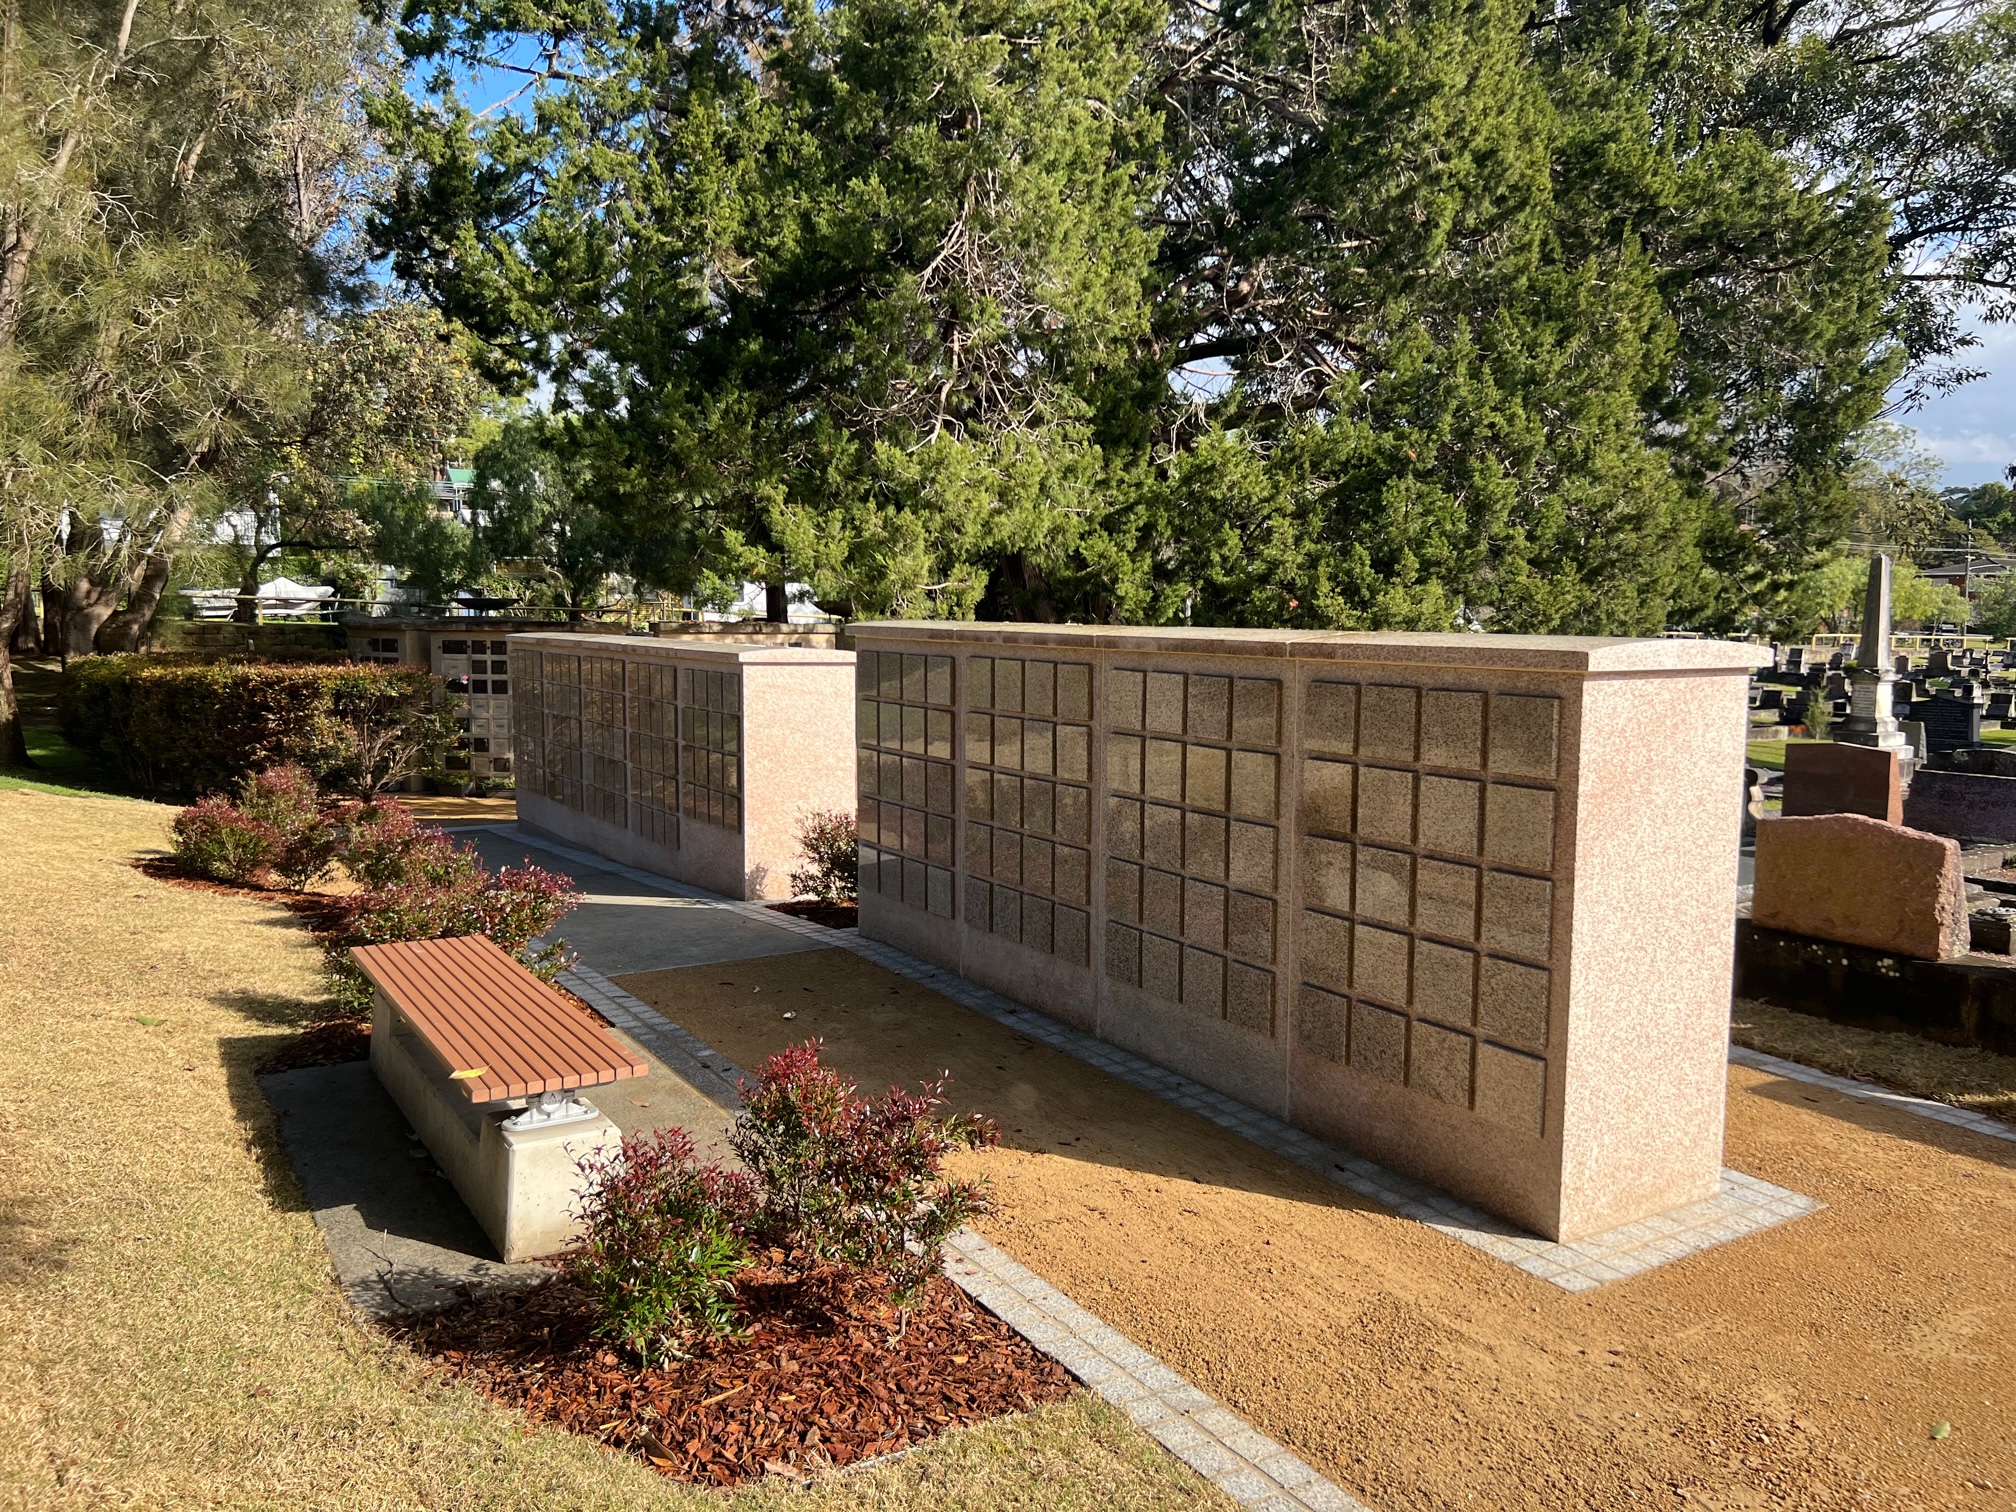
<point x="905" y="711"/>
<point x="1428" y="848"/>
<point x="1435" y="897"/>
<point x="1193" y="802"/>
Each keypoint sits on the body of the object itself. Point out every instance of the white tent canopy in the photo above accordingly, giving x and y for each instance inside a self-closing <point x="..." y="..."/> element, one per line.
<point x="277" y="597"/>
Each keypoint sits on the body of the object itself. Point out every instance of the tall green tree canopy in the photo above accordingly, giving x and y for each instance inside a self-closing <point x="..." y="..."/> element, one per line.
<point x="1287" y="311"/>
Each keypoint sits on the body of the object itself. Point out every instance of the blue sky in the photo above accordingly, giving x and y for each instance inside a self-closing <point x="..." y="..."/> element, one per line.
<point x="1973" y="429"/>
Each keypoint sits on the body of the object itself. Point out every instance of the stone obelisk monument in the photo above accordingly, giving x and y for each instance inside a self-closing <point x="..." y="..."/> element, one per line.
<point x="1871" y="720"/>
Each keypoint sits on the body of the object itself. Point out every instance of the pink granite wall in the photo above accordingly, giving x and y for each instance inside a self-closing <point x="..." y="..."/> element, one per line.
<point x="692" y="760"/>
<point x="1463" y="902"/>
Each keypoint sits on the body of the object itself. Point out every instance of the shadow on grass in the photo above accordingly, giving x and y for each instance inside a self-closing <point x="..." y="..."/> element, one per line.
<point x="242" y="1058"/>
<point x="30" y="1246"/>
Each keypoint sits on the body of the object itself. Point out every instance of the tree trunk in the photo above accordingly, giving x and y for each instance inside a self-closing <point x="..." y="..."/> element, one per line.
<point x="128" y="629"/>
<point x="52" y="619"/>
<point x="13" y="601"/>
<point x="87" y="604"/>
<point x="27" y="637"/>
<point x="776" y="602"/>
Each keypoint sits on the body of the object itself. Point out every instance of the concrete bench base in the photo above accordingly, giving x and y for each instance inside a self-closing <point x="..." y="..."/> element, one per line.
<point x="519" y="1183"/>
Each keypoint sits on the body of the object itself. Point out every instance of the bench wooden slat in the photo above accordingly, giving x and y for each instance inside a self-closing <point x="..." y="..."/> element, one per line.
<point x="478" y="1007"/>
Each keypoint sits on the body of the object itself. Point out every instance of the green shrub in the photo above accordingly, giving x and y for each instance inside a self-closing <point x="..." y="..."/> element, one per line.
<point x="664" y="1242"/>
<point x="833" y="1183"/>
<point x="192" y="728"/>
<point x="832" y="869"/>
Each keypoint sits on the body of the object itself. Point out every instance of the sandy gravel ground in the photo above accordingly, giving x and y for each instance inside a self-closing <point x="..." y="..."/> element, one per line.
<point x="1805" y="1368"/>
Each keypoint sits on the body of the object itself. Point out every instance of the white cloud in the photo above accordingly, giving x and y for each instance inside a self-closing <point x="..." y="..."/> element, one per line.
<point x="1973" y="429"/>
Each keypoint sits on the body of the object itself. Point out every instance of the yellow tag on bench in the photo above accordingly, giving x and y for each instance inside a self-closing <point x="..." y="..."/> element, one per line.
<point x="469" y="1075"/>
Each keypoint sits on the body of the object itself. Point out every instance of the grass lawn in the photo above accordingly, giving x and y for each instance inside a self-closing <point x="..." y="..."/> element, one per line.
<point x="173" y="1336"/>
<point x="1966" y="1078"/>
<point x="1770" y="754"/>
<point x="60" y="769"/>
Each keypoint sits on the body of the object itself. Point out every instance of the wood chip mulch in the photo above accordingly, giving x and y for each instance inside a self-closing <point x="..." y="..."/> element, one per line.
<point x="825" y="1373"/>
<point x="335" y="1042"/>
<point x="832" y="915"/>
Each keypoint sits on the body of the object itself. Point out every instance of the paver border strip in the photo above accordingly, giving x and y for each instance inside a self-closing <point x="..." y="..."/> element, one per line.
<point x="1903" y="1102"/>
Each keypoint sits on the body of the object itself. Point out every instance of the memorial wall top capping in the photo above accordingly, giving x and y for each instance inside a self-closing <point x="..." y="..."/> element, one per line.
<point x="1587" y="654"/>
<point x="670" y="648"/>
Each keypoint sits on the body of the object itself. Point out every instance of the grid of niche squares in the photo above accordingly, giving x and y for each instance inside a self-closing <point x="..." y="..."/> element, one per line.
<point x="1192" y="840"/>
<point x="903" y="735"/>
<point x="654" y="751"/>
<point x="560" y="746"/>
<point x="1029" y="802"/>
<point x="605" y="783"/>
<point x="710" y="746"/>
<point x="528" y="712"/>
<point x="1427" y="850"/>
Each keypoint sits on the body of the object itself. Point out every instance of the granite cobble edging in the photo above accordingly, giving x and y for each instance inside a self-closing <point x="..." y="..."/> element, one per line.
<point x="1903" y="1102"/>
<point x="1744" y="1204"/>
<point x="1251" y="1468"/>
<point x="1244" y="1463"/>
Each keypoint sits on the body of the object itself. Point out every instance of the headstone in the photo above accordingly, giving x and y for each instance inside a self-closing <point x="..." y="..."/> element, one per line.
<point x="2000" y="703"/>
<point x="1837" y="685"/>
<point x="1795" y="658"/>
<point x="1832" y="778"/>
<point x="1988" y="930"/>
<point x="1939" y="664"/>
<point x="1987" y="761"/>
<point x="1770" y="698"/>
<point x="1753" y="798"/>
<point x="1872" y="720"/>
<point x="1862" y="882"/>
<point x="1950" y="723"/>
<point x="1968" y="805"/>
<point x="1901" y="665"/>
<point x="1914" y="733"/>
<point x="1837" y="661"/>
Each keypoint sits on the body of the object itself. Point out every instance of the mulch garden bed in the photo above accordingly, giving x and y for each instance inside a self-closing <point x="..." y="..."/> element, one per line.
<point x="832" y="915"/>
<point x="825" y="1373"/>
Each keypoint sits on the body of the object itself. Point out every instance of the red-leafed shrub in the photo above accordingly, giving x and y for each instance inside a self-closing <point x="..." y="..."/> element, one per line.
<point x="832" y="869"/>
<point x="213" y="839"/>
<point x="665" y="1241"/>
<point x="512" y="907"/>
<point x="385" y="846"/>
<point x="285" y="799"/>
<point x="830" y="1180"/>
<point x="851" y="1179"/>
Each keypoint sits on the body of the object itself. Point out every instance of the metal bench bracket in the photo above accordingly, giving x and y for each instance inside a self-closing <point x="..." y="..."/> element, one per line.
<point x="550" y="1108"/>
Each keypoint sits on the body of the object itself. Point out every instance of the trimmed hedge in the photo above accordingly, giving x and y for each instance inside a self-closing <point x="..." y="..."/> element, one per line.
<point x="185" y="729"/>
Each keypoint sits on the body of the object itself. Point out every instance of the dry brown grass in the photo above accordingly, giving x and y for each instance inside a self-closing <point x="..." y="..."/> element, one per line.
<point x="1975" y="1079"/>
<point x="173" y="1338"/>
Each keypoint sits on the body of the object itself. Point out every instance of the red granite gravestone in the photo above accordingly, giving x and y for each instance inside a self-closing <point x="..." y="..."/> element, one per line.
<point x="1836" y="778"/>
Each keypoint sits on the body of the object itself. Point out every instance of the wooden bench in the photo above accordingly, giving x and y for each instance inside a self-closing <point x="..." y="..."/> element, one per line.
<point x="488" y="1063"/>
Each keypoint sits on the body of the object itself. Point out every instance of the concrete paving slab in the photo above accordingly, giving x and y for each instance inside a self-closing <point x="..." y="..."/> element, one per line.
<point x="399" y="1237"/>
<point x="627" y="925"/>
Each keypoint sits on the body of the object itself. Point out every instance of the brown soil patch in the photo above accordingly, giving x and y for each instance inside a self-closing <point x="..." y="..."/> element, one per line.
<point x="832" y="915"/>
<point x="444" y="809"/>
<point x="824" y="1374"/>
<point x="1803" y="1368"/>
